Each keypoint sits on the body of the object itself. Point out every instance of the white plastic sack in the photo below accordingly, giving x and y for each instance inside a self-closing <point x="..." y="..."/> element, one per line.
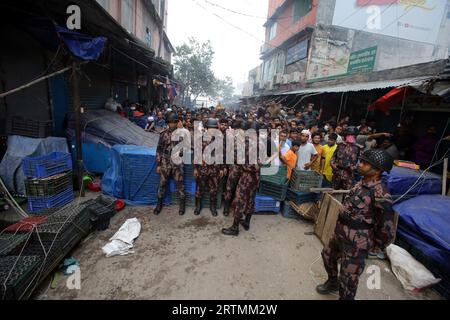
<point x="122" y="242"/>
<point x="112" y="105"/>
<point x="410" y="272"/>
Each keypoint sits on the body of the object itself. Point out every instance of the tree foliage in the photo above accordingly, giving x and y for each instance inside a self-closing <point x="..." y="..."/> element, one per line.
<point x="193" y="61"/>
<point x="193" y="67"/>
<point x="225" y="88"/>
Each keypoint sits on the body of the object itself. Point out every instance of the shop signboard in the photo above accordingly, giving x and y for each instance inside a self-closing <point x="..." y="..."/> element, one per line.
<point x="334" y="63"/>
<point x="362" y="61"/>
<point x="297" y="52"/>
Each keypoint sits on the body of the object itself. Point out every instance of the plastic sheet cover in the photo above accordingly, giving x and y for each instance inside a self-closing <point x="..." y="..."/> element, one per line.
<point x="109" y="128"/>
<point x="400" y="180"/>
<point x="425" y="223"/>
<point x="20" y="147"/>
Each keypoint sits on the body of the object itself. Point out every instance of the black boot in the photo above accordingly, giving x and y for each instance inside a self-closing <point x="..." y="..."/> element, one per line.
<point x="159" y="207"/>
<point x="198" y="206"/>
<point x="331" y="286"/>
<point x="233" y="230"/>
<point x="226" y="208"/>
<point x="182" y="207"/>
<point x="246" y="222"/>
<point x="212" y="207"/>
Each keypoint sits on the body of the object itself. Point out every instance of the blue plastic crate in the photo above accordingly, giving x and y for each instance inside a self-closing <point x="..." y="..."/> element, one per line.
<point x="47" y="165"/>
<point x="289" y="212"/>
<point x="301" y="197"/>
<point x="38" y="205"/>
<point x="190" y="186"/>
<point x="267" y="204"/>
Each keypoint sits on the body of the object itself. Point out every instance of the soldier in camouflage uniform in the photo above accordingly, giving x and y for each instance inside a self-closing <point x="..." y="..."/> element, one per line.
<point x="243" y="204"/>
<point x="208" y="176"/>
<point x="344" y="162"/>
<point x="366" y="220"/>
<point x="166" y="168"/>
<point x="234" y="173"/>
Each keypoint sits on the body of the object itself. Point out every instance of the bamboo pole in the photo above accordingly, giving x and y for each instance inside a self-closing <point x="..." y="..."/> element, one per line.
<point x="25" y="86"/>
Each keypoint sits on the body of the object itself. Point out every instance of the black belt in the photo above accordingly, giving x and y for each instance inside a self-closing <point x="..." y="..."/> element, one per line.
<point x="354" y="224"/>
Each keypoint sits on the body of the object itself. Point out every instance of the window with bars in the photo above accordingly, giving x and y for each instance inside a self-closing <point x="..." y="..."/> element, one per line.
<point x="301" y="9"/>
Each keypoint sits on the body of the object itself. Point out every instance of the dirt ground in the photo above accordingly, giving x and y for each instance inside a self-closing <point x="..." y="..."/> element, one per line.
<point x="188" y="258"/>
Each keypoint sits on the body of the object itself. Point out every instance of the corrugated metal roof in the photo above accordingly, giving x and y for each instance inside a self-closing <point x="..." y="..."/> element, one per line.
<point x="365" y="86"/>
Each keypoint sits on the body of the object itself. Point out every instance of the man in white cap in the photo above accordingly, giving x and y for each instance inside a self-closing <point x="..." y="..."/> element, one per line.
<point x="306" y="154"/>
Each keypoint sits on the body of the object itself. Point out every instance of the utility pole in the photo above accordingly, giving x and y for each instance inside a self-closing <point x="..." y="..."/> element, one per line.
<point x="77" y="107"/>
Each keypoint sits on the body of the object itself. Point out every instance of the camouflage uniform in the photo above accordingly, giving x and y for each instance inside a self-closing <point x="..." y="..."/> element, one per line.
<point x="168" y="168"/>
<point x="209" y="176"/>
<point x="366" y="220"/>
<point x="234" y="174"/>
<point x="247" y="187"/>
<point x="346" y="160"/>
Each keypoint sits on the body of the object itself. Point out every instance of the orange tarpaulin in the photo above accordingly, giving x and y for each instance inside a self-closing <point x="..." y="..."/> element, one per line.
<point x="391" y="99"/>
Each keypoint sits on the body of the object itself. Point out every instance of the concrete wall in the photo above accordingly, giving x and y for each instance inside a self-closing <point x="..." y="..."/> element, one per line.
<point x="392" y="51"/>
<point x="286" y="28"/>
<point x="142" y="19"/>
<point x="273" y="5"/>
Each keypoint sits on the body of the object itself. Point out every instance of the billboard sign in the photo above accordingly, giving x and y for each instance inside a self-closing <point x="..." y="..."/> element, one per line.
<point x="336" y="62"/>
<point x="297" y="52"/>
<point x="406" y="19"/>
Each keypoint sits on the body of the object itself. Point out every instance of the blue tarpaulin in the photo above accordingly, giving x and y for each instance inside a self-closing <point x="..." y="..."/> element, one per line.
<point x="132" y="176"/>
<point x="81" y="45"/>
<point x="400" y="180"/>
<point x="424" y="224"/>
<point x="51" y="35"/>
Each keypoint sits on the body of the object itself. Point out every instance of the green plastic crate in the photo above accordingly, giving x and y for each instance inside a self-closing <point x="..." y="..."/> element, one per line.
<point x="305" y="180"/>
<point x="279" y="178"/>
<point x="274" y="190"/>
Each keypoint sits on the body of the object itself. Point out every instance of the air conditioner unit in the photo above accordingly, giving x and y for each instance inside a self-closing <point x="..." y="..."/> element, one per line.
<point x="268" y="85"/>
<point x="296" y="77"/>
<point x="286" y="78"/>
<point x="278" y="78"/>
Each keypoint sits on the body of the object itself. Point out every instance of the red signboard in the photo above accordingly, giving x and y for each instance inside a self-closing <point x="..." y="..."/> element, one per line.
<point x="363" y="3"/>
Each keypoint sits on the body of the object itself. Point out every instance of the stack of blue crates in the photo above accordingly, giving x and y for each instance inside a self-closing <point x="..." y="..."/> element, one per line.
<point x="140" y="179"/>
<point x="266" y="204"/>
<point x="46" y="167"/>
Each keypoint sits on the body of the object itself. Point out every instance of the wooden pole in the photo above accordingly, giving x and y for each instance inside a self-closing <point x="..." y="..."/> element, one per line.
<point x="444" y="177"/>
<point x="77" y="107"/>
<point x="2" y="95"/>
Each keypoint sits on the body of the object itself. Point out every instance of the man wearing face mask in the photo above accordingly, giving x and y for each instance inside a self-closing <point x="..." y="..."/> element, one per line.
<point x="366" y="220"/>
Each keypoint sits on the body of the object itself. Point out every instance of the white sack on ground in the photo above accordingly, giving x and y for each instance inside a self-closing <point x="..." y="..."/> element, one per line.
<point x="410" y="272"/>
<point x="122" y="242"/>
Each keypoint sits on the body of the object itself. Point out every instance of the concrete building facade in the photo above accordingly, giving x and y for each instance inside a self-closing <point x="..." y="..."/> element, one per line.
<point x="309" y="42"/>
<point x="146" y="20"/>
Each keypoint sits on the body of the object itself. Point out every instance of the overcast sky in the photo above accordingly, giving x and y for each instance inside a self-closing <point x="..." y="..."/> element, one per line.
<point x="236" y="52"/>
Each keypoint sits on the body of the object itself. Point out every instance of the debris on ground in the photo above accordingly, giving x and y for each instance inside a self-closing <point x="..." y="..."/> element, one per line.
<point x="122" y="242"/>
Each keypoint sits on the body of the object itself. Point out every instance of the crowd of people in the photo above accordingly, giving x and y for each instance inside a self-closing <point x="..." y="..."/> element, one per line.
<point x="323" y="135"/>
<point x="350" y="157"/>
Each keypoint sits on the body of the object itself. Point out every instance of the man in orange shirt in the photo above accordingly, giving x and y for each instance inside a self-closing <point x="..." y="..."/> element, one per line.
<point x="290" y="158"/>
